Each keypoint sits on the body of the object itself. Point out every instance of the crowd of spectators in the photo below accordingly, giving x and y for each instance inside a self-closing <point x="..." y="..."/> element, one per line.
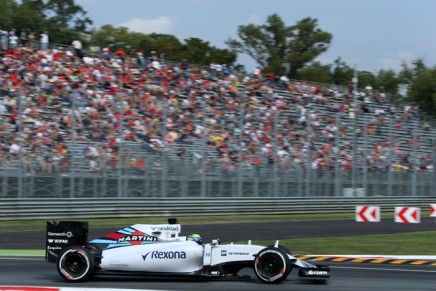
<point x="251" y="120"/>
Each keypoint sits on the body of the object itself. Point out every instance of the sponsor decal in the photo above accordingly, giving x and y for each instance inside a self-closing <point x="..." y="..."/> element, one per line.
<point x="238" y="254"/>
<point x="317" y="273"/>
<point x="53" y="248"/>
<point x="215" y="273"/>
<point x="136" y="238"/>
<point x="170" y="255"/>
<point x="223" y="253"/>
<point x="57" y="241"/>
<point x="67" y="234"/>
<point x="165" y="228"/>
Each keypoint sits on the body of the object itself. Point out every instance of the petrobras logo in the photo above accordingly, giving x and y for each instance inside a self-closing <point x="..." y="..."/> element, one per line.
<point x="165" y="228"/>
<point x="136" y="238"/>
<point x="238" y="254"/>
<point x="317" y="273"/>
<point x="170" y="255"/>
<point x="67" y="234"/>
<point x="223" y="253"/>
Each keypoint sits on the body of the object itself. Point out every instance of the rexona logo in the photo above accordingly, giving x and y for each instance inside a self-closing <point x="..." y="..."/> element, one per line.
<point x="170" y="255"/>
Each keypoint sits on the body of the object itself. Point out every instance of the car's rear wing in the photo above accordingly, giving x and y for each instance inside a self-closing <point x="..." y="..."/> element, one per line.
<point x="64" y="234"/>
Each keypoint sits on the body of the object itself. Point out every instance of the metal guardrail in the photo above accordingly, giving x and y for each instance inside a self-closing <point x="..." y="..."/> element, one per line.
<point x="21" y="209"/>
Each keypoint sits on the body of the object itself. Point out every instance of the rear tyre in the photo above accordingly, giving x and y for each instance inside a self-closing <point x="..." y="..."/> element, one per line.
<point x="75" y="264"/>
<point x="272" y="265"/>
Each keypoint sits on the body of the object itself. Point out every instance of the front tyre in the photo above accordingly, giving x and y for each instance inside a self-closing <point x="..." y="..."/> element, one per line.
<point x="272" y="265"/>
<point x="75" y="264"/>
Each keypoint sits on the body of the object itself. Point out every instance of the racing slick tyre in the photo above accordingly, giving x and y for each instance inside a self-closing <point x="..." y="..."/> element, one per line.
<point x="272" y="265"/>
<point x="288" y="251"/>
<point x="75" y="264"/>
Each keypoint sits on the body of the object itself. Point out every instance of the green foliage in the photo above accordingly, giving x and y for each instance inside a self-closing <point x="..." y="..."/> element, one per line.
<point x="316" y="72"/>
<point x="423" y="90"/>
<point x="63" y="19"/>
<point x="341" y="73"/>
<point x="273" y="44"/>
<point x="420" y="83"/>
<point x="194" y="50"/>
<point x="366" y="79"/>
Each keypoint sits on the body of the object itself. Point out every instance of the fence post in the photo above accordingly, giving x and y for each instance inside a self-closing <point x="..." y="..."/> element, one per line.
<point x="415" y="157"/>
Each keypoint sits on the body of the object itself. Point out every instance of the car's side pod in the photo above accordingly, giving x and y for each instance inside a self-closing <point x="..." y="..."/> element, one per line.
<point x="63" y="234"/>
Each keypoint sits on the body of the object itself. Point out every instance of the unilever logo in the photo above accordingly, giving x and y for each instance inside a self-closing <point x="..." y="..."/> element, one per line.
<point x="170" y="255"/>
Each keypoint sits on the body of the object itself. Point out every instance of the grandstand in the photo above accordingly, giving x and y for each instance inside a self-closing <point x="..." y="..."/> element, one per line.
<point x="106" y="126"/>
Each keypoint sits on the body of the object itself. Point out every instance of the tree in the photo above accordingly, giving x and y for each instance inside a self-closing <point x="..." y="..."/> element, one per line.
<point x="195" y="50"/>
<point x="341" y="73"/>
<point x="316" y="72"/>
<point x="423" y="90"/>
<point x="7" y="9"/>
<point x="273" y="44"/>
<point x="366" y="78"/>
<point x="63" y="19"/>
<point x="117" y="37"/>
<point x="14" y="15"/>
<point x="201" y="52"/>
<point x="388" y="81"/>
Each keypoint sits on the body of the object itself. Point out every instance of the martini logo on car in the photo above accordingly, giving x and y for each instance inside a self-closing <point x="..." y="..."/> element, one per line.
<point x="136" y="238"/>
<point x="169" y="255"/>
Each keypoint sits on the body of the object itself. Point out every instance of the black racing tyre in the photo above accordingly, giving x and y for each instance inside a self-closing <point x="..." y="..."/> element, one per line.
<point x="272" y="265"/>
<point x="75" y="264"/>
<point x="283" y="248"/>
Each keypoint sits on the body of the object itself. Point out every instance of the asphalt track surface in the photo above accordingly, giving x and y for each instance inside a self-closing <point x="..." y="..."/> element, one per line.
<point x="34" y="271"/>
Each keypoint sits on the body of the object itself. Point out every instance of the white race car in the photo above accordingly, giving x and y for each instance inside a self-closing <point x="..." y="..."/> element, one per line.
<point x="158" y="249"/>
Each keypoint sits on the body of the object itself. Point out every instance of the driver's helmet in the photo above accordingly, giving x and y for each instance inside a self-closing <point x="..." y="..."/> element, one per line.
<point x="196" y="237"/>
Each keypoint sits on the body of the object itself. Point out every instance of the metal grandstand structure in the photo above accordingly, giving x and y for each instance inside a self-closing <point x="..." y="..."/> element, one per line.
<point x="167" y="174"/>
<point x="199" y="172"/>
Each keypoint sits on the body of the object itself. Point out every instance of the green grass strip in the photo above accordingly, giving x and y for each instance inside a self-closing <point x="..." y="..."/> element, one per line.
<point x="22" y="253"/>
<point x="411" y="243"/>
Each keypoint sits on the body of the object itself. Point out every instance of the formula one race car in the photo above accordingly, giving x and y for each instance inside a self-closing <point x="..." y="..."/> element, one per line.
<point x="157" y="249"/>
